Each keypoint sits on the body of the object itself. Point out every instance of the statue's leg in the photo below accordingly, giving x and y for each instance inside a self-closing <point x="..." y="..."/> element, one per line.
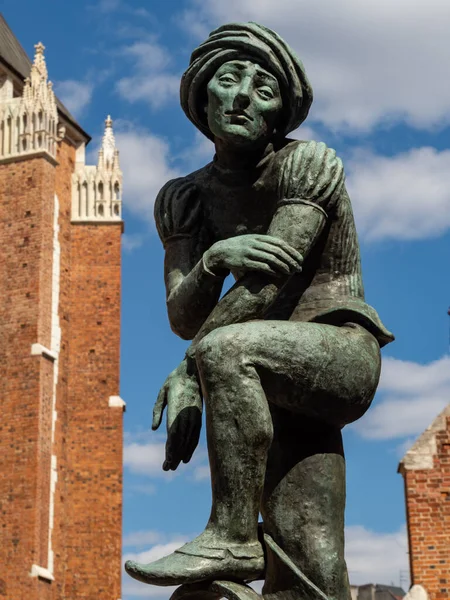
<point x="239" y="433"/>
<point x="303" y="507"/>
<point x="317" y="378"/>
<point x="320" y="372"/>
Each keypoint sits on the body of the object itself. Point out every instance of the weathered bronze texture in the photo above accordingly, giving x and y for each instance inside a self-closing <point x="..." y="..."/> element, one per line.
<point x="290" y="355"/>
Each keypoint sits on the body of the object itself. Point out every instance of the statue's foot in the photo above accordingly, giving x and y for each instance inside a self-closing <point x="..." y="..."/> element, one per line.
<point x="194" y="563"/>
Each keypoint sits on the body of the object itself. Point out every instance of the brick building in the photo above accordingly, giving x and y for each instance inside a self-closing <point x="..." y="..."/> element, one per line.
<point x="61" y="420"/>
<point x="426" y="472"/>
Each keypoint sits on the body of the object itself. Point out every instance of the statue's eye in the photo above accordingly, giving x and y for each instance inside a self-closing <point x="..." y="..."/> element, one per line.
<point x="228" y="78"/>
<point x="266" y="92"/>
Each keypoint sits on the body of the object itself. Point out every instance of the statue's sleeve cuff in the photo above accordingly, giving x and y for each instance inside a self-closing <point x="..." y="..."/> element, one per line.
<point x="287" y="201"/>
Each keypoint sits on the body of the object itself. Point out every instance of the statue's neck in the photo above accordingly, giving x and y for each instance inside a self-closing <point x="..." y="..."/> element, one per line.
<point x="240" y="159"/>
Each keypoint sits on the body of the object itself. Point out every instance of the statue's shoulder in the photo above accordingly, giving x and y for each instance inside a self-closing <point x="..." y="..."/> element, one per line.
<point x="310" y="154"/>
<point x="177" y="207"/>
<point x="309" y="169"/>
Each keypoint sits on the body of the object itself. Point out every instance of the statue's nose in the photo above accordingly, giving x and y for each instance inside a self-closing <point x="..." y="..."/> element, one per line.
<point x="242" y="98"/>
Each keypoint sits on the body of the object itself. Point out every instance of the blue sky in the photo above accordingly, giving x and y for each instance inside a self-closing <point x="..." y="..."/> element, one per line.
<point x="380" y="72"/>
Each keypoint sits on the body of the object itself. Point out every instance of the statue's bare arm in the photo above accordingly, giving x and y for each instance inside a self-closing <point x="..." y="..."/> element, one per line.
<point x="297" y="226"/>
<point x="193" y="291"/>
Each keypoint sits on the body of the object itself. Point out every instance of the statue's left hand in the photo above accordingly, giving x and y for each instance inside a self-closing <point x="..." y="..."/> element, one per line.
<point x="182" y="396"/>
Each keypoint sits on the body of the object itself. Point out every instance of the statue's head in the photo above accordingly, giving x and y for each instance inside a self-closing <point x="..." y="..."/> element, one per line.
<point x="244" y="84"/>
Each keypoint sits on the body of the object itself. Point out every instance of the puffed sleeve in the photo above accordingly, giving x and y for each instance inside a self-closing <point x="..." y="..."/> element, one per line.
<point x="177" y="210"/>
<point x="311" y="173"/>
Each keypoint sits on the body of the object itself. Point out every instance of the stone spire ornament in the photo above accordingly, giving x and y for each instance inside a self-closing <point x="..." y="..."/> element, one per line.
<point x="108" y="150"/>
<point x="97" y="190"/>
<point x="29" y="122"/>
<point x="38" y="90"/>
<point x="39" y="61"/>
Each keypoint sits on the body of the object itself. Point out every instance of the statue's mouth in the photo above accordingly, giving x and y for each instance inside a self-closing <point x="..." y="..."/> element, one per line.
<point x="238" y="116"/>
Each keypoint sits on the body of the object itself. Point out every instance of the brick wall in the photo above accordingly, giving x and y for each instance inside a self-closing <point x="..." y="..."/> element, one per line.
<point x="86" y="534"/>
<point x="63" y="189"/>
<point x="26" y="233"/>
<point x="94" y="429"/>
<point x="426" y="471"/>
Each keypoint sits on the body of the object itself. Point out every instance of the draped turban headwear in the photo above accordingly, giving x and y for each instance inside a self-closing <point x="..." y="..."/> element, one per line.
<point x="238" y="41"/>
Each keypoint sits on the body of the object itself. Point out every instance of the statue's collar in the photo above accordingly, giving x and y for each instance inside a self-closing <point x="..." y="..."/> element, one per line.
<point x="242" y="176"/>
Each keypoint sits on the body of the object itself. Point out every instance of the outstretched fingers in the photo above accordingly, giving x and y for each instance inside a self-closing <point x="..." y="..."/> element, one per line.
<point x="182" y="437"/>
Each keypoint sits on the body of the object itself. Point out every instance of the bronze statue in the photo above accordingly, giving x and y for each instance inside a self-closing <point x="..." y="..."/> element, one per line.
<point x="291" y="354"/>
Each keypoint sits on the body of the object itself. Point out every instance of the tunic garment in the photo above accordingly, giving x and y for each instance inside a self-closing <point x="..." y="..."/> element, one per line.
<point x="229" y="203"/>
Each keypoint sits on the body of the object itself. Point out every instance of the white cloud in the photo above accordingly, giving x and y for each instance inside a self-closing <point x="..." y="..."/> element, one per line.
<point x="369" y="62"/>
<point x="192" y="23"/>
<point x="148" y="55"/>
<point x="402" y="197"/>
<point x="155" y="89"/>
<point x="143" y="489"/>
<point x="304" y="132"/>
<point x="374" y="557"/>
<point x="138" y="539"/>
<point x="132" y="241"/>
<point x="75" y="95"/>
<point x="412" y="395"/>
<point x="108" y="5"/>
<point x="151" y="80"/>
<point x="144" y="459"/>
<point x="146" y="165"/>
<point x="202" y="472"/>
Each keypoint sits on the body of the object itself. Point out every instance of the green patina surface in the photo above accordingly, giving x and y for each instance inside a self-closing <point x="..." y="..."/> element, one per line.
<point x="290" y="355"/>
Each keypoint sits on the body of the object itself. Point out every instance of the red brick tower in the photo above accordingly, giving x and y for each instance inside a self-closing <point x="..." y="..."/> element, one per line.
<point x="61" y="422"/>
<point x="426" y="471"/>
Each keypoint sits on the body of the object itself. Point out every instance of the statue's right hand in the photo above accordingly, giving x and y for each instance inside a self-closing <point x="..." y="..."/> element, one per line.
<point x="182" y="395"/>
<point x="253" y="252"/>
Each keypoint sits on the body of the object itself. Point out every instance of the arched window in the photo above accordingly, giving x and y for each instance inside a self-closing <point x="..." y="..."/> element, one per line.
<point x="9" y="134"/>
<point x="100" y="210"/>
<point x="100" y="191"/>
<point x="2" y="137"/>
<point x="85" y="198"/>
<point x="117" y="191"/>
<point x="16" y="135"/>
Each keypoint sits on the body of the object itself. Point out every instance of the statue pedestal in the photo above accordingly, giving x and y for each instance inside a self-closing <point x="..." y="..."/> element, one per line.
<point x="214" y="591"/>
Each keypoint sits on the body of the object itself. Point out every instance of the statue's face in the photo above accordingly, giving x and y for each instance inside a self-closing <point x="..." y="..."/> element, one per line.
<point x="244" y="103"/>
